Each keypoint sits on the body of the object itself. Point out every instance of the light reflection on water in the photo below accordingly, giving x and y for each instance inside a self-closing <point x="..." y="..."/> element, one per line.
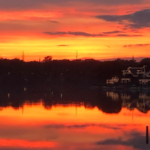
<point x="113" y="120"/>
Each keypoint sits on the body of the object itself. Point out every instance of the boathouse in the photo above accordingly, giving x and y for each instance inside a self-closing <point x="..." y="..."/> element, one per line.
<point x="132" y="75"/>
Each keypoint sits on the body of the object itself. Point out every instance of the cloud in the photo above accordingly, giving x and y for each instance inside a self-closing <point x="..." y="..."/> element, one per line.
<point x="129" y="35"/>
<point x="27" y="144"/>
<point x="54" y="22"/>
<point x="114" y="2"/>
<point x="136" y="45"/>
<point x="108" y="126"/>
<point x="15" y="25"/>
<point x="138" y="19"/>
<point x="137" y="141"/>
<point x="30" y="4"/>
<point x="63" y="45"/>
<point x="74" y="33"/>
<point x="32" y="17"/>
<point x="112" y="32"/>
<point x="85" y="34"/>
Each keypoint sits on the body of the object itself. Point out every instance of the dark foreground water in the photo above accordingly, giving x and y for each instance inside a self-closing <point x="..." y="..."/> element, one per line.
<point x="74" y="120"/>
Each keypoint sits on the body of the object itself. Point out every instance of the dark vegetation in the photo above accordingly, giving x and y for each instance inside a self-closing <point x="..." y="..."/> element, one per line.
<point x="57" y="72"/>
<point x="77" y="96"/>
<point x="60" y="82"/>
<point x="17" y="97"/>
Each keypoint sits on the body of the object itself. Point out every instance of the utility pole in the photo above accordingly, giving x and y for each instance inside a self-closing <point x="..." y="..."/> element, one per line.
<point x="147" y="135"/>
<point x="133" y="57"/>
<point x="76" y="54"/>
<point x="23" y="56"/>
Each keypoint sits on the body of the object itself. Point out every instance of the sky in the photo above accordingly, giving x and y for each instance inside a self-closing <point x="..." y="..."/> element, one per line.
<point x="98" y="29"/>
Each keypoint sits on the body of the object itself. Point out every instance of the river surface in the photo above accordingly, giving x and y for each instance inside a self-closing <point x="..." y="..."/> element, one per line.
<point x="113" y="120"/>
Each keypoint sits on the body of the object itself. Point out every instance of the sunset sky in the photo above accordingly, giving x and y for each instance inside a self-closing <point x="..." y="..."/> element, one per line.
<point x="99" y="29"/>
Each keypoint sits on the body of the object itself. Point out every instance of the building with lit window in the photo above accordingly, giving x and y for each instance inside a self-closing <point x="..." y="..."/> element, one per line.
<point x="132" y="75"/>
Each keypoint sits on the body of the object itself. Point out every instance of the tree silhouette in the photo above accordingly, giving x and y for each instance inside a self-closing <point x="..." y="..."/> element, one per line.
<point x="145" y="61"/>
<point x="47" y="59"/>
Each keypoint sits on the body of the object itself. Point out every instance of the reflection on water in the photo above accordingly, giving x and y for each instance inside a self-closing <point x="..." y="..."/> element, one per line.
<point x="73" y="119"/>
<point x="132" y="100"/>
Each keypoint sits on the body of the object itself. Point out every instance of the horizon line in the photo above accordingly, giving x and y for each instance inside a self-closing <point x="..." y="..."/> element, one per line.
<point x="137" y="59"/>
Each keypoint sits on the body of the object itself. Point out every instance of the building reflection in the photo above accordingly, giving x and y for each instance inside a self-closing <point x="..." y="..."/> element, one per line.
<point x="53" y="96"/>
<point x="106" y="101"/>
<point x="132" y="100"/>
<point x="113" y="95"/>
<point x="125" y="96"/>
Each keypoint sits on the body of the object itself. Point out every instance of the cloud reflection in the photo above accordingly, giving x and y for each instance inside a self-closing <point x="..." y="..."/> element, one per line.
<point x="108" y="126"/>
<point x="137" y="141"/>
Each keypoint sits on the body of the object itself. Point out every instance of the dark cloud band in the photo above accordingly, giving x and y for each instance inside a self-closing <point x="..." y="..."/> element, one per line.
<point x="139" y="19"/>
<point x="136" y="45"/>
<point x="33" y="4"/>
<point x="63" y="45"/>
<point x="85" y="34"/>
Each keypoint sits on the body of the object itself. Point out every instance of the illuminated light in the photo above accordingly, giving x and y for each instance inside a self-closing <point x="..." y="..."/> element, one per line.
<point x="8" y="95"/>
<point x="25" y="89"/>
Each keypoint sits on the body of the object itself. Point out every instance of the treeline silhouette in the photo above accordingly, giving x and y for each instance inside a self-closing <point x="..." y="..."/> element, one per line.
<point x="105" y="101"/>
<point x="17" y="97"/>
<point x="66" y="72"/>
<point x="57" y="82"/>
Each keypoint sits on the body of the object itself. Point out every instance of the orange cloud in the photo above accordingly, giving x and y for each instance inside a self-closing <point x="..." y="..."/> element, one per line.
<point x="24" y="28"/>
<point x="17" y="143"/>
<point x="29" y="15"/>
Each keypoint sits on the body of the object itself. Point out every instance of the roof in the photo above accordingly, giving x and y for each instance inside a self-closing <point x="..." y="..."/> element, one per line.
<point x="135" y="71"/>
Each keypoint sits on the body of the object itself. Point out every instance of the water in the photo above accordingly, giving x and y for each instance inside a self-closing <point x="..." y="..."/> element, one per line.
<point x="74" y="120"/>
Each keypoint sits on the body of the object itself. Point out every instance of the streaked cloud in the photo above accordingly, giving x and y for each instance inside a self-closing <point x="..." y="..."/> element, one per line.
<point x="138" y="19"/>
<point x="39" y="4"/>
<point x="57" y="23"/>
<point x="129" y="35"/>
<point x="108" y="126"/>
<point x="11" y="143"/>
<point x="137" y="141"/>
<point x="63" y="45"/>
<point x="54" y="22"/>
<point x="136" y="45"/>
<point x="74" y="33"/>
<point x="112" y="32"/>
<point x="86" y="34"/>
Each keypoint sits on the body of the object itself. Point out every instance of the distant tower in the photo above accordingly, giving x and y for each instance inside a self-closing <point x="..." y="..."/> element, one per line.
<point x="132" y="114"/>
<point x="76" y="54"/>
<point x="23" y="55"/>
<point x="76" y="110"/>
<point x="22" y="110"/>
<point x="133" y="57"/>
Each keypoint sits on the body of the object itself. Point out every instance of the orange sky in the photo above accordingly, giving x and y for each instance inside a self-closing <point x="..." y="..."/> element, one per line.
<point x="99" y="29"/>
